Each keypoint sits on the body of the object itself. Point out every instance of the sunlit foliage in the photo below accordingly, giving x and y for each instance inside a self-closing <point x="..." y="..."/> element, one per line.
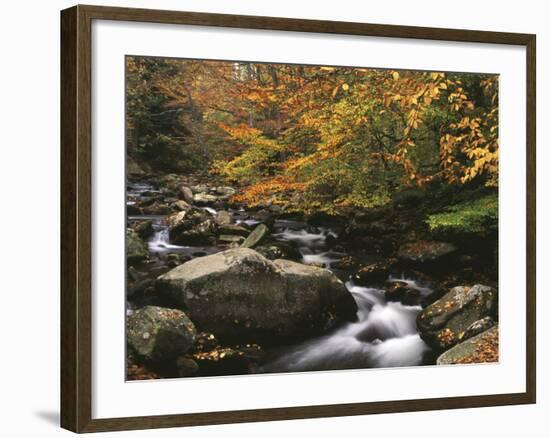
<point x="325" y="138"/>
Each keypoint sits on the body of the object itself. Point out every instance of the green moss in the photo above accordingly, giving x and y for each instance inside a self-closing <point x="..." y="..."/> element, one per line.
<point x="477" y="216"/>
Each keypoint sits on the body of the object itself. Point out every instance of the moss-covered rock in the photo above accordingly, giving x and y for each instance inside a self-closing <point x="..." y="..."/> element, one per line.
<point x="158" y="333"/>
<point x="136" y="249"/>
<point x="443" y="323"/>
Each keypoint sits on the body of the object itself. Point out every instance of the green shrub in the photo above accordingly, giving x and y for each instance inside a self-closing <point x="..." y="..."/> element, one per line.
<point x="479" y="216"/>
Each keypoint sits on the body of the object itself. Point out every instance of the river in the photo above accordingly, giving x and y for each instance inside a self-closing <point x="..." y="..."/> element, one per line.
<point x="385" y="333"/>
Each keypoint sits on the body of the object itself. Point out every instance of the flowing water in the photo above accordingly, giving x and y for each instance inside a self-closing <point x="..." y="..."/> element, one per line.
<point x="384" y="334"/>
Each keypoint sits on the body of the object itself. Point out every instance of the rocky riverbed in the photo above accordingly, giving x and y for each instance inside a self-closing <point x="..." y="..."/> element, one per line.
<point x="216" y="288"/>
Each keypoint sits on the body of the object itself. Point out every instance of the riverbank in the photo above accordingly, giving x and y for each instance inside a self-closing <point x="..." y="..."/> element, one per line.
<point x="385" y="263"/>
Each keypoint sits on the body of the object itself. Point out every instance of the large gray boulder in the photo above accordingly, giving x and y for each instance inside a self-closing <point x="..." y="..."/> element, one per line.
<point x="238" y="294"/>
<point x="480" y="348"/>
<point x="445" y="322"/>
<point x="157" y="333"/>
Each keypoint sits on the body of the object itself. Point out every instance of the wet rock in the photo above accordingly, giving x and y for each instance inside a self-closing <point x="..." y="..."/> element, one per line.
<point x="400" y="291"/>
<point x="256" y="236"/>
<point x="423" y="251"/>
<point x="136" y="249"/>
<point x="139" y="287"/>
<point x="483" y="347"/>
<point x="239" y="294"/>
<point x="133" y="274"/>
<point x="133" y="209"/>
<point x="478" y="327"/>
<point x="233" y="229"/>
<point x="264" y="216"/>
<point x="373" y="273"/>
<point x="444" y="323"/>
<point x="223" y="217"/>
<point x="229" y="238"/>
<point x="144" y="228"/>
<point x="186" y="367"/>
<point x="158" y="333"/>
<point x="181" y="205"/>
<point x="202" y="234"/>
<point x="194" y="227"/>
<point x="229" y="360"/>
<point x="157" y="209"/>
<point x="279" y="250"/>
<point x="185" y="194"/>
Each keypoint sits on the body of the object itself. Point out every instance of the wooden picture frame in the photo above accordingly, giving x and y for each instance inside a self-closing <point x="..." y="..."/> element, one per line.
<point x="76" y="218"/>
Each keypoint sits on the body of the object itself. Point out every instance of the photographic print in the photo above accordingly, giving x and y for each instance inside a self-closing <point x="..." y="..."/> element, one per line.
<point x="290" y="218"/>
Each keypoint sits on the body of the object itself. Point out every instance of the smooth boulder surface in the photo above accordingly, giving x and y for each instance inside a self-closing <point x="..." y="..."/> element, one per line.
<point x="443" y="323"/>
<point x="185" y="193"/>
<point x="480" y="348"/>
<point x="157" y="333"/>
<point x="256" y="236"/>
<point x="241" y="295"/>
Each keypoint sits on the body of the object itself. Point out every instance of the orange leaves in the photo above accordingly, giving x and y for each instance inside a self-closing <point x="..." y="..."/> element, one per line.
<point x="257" y="194"/>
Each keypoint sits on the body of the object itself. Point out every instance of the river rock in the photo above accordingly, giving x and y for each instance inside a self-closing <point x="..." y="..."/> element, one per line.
<point x="184" y="193"/>
<point x="443" y="323"/>
<point x="238" y="294"/>
<point x="263" y="215"/>
<point x="194" y="227"/>
<point x="199" y="188"/>
<point x="186" y="367"/>
<point x="136" y="249"/>
<point x="133" y="209"/>
<point x="157" y="333"/>
<point x="400" y="291"/>
<point x="483" y="347"/>
<point x="223" y="217"/>
<point x="204" y="199"/>
<point x="256" y="236"/>
<point x="478" y="327"/>
<point x="423" y="251"/>
<point x="144" y="228"/>
<point x="181" y="205"/>
<point x="230" y="238"/>
<point x="203" y="234"/>
<point x="225" y="191"/>
<point x="374" y="272"/>
<point x="233" y="229"/>
<point x="157" y="208"/>
<point x="279" y="250"/>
